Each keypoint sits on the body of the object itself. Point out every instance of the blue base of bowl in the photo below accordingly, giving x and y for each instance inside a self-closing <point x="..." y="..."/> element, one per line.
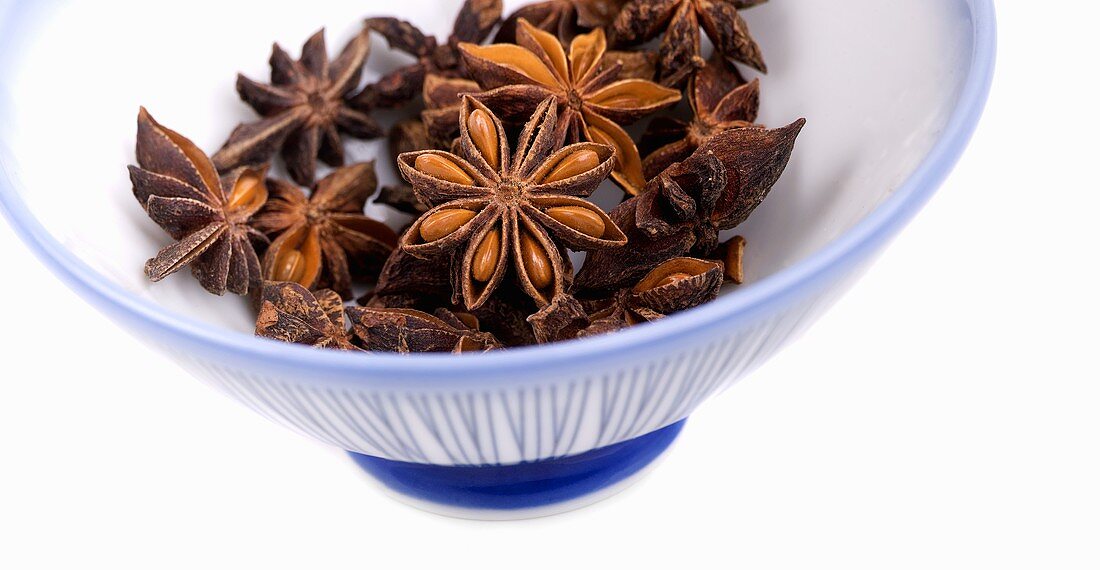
<point x="524" y="490"/>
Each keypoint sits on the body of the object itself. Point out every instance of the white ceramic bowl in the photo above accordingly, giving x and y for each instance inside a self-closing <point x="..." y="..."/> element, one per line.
<point x="892" y="91"/>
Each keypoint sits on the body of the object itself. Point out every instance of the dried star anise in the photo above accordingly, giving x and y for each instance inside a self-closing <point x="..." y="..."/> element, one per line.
<point x="684" y="209"/>
<point x="676" y="285"/>
<point x="593" y="103"/>
<point x="642" y="20"/>
<point x="325" y="240"/>
<point x="475" y="21"/>
<point x="304" y="109"/>
<point x="565" y="18"/>
<point x="407" y="331"/>
<point x="496" y="209"/>
<point x="208" y="214"/>
<point x="290" y="313"/>
<point x="720" y="100"/>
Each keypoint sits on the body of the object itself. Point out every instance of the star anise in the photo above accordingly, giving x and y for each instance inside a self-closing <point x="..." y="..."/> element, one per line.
<point x="720" y="100"/>
<point x="593" y="103"/>
<point x="304" y="109"/>
<point x="290" y="313"/>
<point x="683" y="210"/>
<point x="208" y="214"/>
<point x="475" y="21"/>
<point x="325" y="240"/>
<point x="495" y="209"/>
<point x="674" y="286"/>
<point x="642" y="20"/>
<point x="565" y="18"/>
<point x="407" y="331"/>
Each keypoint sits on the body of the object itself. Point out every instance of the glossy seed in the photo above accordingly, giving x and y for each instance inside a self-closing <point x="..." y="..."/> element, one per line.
<point x="291" y="266"/>
<point x="444" y="223"/>
<point x="674" y="278"/>
<point x="535" y="262"/>
<point x="573" y="165"/>
<point x="735" y="260"/>
<point x="581" y="219"/>
<point x="486" y="258"/>
<point x="443" y="168"/>
<point x="250" y="190"/>
<point x="484" y="134"/>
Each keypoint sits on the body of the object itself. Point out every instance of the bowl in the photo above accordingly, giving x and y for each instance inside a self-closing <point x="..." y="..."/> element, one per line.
<point x="892" y="92"/>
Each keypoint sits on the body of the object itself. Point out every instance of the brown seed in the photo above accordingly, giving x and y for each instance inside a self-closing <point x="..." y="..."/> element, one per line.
<point x="583" y="220"/>
<point x="535" y="262"/>
<point x="485" y="136"/>
<point x="469" y="320"/>
<point x="444" y="223"/>
<point x="573" y="165"/>
<point x="735" y="260"/>
<point x="486" y="258"/>
<point x="290" y="266"/>
<point x="674" y="278"/>
<point x="443" y="168"/>
<point x="250" y="190"/>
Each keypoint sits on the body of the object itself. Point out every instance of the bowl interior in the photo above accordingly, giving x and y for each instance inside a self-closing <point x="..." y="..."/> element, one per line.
<point x="876" y="80"/>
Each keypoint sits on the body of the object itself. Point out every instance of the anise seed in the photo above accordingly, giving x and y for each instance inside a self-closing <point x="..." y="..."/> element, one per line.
<point x="291" y="266"/>
<point x="443" y="168"/>
<point x="674" y="278"/>
<point x="485" y="136"/>
<point x="535" y="262"/>
<point x="444" y="223"/>
<point x="487" y="257"/>
<point x="735" y="260"/>
<point x="581" y="219"/>
<point x="249" y="190"/>
<point x="573" y="165"/>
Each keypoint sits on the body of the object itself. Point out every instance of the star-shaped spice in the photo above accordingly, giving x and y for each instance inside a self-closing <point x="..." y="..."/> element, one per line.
<point x="290" y="313"/>
<point x="305" y="110"/>
<point x="684" y="209"/>
<point x="407" y="331"/>
<point x="497" y="209"/>
<point x="475" y="21"/>
<point x="564" y="18"/>
<point x="325" y="240"/>
<point x="720" y="100"/>
<point x="679" y="20"/>
<point x="208" y="214"/>
<point x="676" y="285"/>
<point x="593" y="103"/>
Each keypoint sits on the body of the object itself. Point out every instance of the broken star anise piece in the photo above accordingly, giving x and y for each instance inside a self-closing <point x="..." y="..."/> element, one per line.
<point x="325" y="240"/>
<point x="305" y="110"/>
<point x="178" y="186"/>
<point x="475" y="21"/>
<point x="564" y="18"/>
<point x="593" y="103"/>
<point x="676" y="285"/>
<point x="500" y="209"/>
<point x="290" y="313"/>
<point x="407" y="331"/>
<point x="720" y="100"/>
<point x="679" y="20"/>
<point x="684" y="209"/>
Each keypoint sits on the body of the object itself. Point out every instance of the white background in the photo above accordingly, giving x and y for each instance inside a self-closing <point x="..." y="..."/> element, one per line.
<point x="946" y="413"/>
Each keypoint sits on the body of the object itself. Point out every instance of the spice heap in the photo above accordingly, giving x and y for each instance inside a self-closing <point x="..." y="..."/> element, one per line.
<point x="499" y="151"/>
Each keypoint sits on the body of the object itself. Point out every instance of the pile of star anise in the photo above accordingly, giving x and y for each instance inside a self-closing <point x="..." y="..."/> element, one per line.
<point x="503" y="146"/>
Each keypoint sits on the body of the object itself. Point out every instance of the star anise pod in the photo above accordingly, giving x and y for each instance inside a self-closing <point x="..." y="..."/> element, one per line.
<point x="720" y="100"/>
<point x="305" y="110"/>
<point x="679" y="20"/>
<point x="208" y="214"/>
<point x="495" y="208"/>
<point x="408" y="331"/>
<point x="676" y="285"/>
<point x="564" y="18"/>
<point x="683" y="210"/>
<point x="475" y="21"/>
<point x="325" y="240"/>
<point x="290" y="313"/>
<point x="593" y="103"/>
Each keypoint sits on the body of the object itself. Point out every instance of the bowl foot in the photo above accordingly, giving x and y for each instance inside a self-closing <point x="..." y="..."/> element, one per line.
<point x="527" y="490"/>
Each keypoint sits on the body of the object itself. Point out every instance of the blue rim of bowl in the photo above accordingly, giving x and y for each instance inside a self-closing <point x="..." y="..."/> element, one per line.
<point x="854" y="246"/>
